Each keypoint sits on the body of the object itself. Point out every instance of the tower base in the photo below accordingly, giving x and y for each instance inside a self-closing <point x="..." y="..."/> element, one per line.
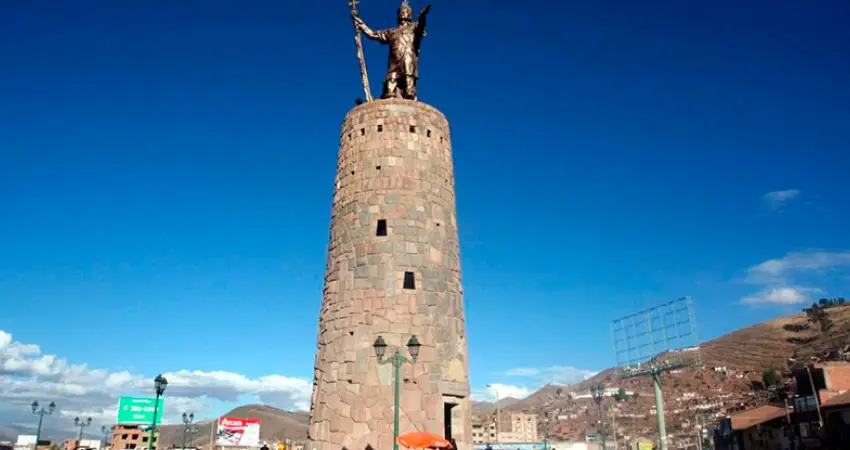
<point x="393" y="270"/>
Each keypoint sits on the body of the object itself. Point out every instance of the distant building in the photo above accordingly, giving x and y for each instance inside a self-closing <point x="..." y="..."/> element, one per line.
<point x="521" y="428"/>
<point x="483" y="432"/>
<point x="129" y="437"/>
<point x="515" y="428"/>
<point x="27" y="442"/>
<point x="609" y="392"/>
<point x="85" y="444"/>
<point x="753" y="429"/>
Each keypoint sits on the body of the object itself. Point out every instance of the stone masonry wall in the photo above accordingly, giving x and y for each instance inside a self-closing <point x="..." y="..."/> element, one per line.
<point x="395" y="164"/>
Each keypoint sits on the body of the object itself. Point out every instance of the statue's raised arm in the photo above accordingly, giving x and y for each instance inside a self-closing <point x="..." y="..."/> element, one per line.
<point x="404" y="41"/>
<point x="421" y="28"/>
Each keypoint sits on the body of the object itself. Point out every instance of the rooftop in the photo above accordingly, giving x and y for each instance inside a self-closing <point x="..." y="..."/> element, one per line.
<point x="838" y="400"/>
<point x="756" y="416"/>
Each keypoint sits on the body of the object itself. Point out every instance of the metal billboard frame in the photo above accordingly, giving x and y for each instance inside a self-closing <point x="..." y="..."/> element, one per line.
<point x="657" y="340"/>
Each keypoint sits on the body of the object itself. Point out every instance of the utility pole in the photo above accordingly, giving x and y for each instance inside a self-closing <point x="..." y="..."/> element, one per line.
<point x="498" y="417"/>
<point x="699" y="432"/>
<point x="213" y="425"/>
<point x="614" y="425"/>
<point x="815" y="394"/>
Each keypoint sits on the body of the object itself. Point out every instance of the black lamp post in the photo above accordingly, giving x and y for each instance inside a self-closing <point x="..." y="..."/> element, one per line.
<point x="160" y="383"/>
<point x="598" y="394"/>
<point x="397" y="360"/>
<point x="188" y="427"/>
<point x="106" y="432"/>
<point x="547" y="431"/>
<point x="41" y="412"/>
<point x="81" y="424"/>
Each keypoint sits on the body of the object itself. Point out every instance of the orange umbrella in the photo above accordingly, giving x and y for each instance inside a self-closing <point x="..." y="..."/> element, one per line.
<point x="423" y="439"/>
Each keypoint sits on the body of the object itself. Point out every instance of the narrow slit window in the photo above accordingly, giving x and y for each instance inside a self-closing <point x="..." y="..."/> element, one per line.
<point x="362" y="132"/>
<point x="380" y="128"/>
<point x="409" y="280"/>
<point x="428" y="133"/>
<point x="382" y="228"/>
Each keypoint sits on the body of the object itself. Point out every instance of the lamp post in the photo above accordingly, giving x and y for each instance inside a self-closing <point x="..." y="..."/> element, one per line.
<point x="397" y="360"/>
<point x="41" y="412"/>
<point x="106" y="432"/>
<point x="81" y="424"/>
<point x="188" y="427"/>
<point x="598" y="394"/>
<point x="498" y="415"/>
<point x="160" y="383"/>
<point x="547" y="431"/>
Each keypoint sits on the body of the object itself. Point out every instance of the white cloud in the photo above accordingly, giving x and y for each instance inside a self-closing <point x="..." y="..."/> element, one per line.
<point x="522" y="372"/>
<point x="797" y="263"/>
<point x="777" y="199"/>
<point x="26" y="375"/>
<point x="781" y="296"/>
<point x="553" y="375"/>
<point x="536" y="377"/>
<point x="790" y="279"/>
<point x="501" y="391"/>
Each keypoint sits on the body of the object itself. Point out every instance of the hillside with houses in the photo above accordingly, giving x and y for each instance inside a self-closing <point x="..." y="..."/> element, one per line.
<point x="741" y="371"/>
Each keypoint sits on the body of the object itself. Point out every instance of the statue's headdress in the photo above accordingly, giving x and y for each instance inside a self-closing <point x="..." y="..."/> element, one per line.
<point x="405" y="11"/>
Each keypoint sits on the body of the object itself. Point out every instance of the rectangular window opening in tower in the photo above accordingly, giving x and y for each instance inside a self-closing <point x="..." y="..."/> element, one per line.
<point x="413" y="128"/>
<point x="409" y="280"/>
<point x="382" y="228"/>
<point x="380" y="128"/>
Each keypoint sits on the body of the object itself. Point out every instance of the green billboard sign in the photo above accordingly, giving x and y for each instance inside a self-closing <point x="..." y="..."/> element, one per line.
<point x="138" y="410"/>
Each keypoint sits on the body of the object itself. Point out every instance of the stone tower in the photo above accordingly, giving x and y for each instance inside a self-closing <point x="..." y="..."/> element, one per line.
<point x="393" y="270"/>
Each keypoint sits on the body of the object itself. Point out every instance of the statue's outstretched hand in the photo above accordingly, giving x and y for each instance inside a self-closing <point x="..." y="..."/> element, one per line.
<point x="425" y="10"/>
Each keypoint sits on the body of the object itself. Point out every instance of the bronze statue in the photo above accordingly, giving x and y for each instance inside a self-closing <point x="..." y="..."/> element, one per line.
<point x="404" y="41"/>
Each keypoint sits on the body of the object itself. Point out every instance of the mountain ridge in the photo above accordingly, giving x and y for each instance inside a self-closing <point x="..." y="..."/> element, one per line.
<point x="746" y="352"/>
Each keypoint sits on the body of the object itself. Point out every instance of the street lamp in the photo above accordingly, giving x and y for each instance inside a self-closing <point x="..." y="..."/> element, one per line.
<point x="106" y="432"/>
<point x="397" y="360"/>
<point x="41" y="412"/>
<point x="187" y="427"/>
<point x="498" y="415"/>
<point x="598" y="394"/>
<point x="160" y="383"/>
<point x="548" y="430"/>
<point x="82" y="424"/>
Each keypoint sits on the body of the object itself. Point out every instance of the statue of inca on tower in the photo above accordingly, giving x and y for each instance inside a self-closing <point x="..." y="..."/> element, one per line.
<point x="404" y="41"/>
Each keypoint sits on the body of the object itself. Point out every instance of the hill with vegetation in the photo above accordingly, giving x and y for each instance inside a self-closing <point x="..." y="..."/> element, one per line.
<point x="276" y="425"/>
<point x="731" y="377"/>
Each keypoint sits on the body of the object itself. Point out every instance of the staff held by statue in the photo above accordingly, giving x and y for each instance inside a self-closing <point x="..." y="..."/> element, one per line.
<point x="358" y="41"/>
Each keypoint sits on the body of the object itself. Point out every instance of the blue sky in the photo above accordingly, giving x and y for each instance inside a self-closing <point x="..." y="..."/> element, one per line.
<point x="166" y="175"/>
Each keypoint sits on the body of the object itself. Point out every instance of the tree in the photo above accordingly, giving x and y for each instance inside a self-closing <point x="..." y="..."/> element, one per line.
<point x="818" y="315"/>
<point x="621" y="395"/>
<point x="771" y="378"/>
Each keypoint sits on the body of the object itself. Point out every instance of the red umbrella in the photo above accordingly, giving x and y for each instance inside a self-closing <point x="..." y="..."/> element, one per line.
<point x="423" y="439"/>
